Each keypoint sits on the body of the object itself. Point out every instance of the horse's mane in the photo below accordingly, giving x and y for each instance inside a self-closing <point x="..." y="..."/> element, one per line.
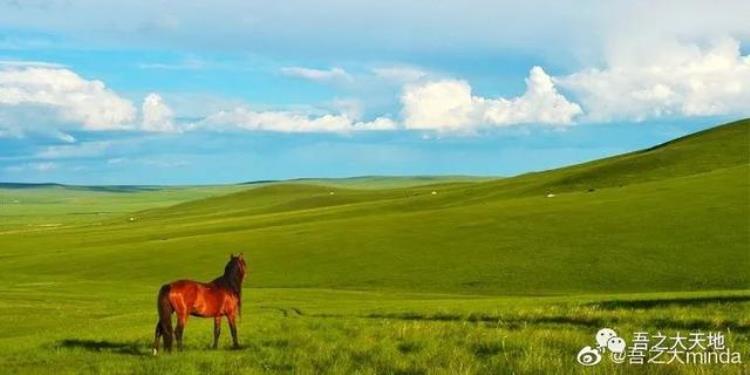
<point x="232" y="280"/>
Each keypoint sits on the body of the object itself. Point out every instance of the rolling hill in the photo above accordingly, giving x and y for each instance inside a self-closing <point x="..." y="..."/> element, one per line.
<point x="379" y="275"/>
<point x="670" y="218"/>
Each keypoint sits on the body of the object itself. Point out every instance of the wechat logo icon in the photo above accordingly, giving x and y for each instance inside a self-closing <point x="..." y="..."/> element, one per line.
<point x="606" y="341"/>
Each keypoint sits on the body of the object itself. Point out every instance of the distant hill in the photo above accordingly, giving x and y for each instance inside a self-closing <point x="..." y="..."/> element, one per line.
<point x="101" y="188"/>
<point x="21" y="185"/>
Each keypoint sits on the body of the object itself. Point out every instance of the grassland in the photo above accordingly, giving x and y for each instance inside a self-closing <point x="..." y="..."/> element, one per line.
<point x="453" y="275"/>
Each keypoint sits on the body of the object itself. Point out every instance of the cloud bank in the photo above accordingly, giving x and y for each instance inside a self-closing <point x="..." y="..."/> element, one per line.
<point x="638" y="81"/>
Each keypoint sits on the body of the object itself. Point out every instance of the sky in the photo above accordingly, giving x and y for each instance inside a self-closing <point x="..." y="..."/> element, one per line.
<point x="195" y="92"/>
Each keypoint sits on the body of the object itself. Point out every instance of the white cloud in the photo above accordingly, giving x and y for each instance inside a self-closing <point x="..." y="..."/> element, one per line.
<point x="540" y="103"/>
<point x="157" y="116"/>
<point x="399" y="74"/>
<point x="67" y="138"/>
<point x="318" y="75"/>
<point x="73" y="100"/>
<point x="44" y="98"/>
<point x="380" y="123"/>
<point x="290" y="122"/>
<point x="448" y="105"/>
<point x="352" y="108"/>
<point x="665" y="78"/>
<point x="445" y="104"/>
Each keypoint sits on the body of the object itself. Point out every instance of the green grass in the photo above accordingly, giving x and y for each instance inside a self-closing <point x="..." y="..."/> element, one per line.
<point x="87" y="327"/>
<point x="378" y="275"/>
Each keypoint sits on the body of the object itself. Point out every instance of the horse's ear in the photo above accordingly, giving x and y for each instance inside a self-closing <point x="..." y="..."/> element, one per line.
<point x="242" y="256"/>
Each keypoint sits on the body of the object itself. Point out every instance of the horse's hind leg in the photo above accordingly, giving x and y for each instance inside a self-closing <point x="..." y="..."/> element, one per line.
<point x="164" y="327"/>
<point x="166" y="332"/>
<point x="157" y="337"/>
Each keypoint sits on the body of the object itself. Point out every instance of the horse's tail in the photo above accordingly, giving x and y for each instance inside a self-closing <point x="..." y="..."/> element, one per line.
<point x="164" y="326"/>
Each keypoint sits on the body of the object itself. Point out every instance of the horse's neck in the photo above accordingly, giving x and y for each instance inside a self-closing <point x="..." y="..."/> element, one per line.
<point x="227" y="282"/>
<point x="222" y="280"/>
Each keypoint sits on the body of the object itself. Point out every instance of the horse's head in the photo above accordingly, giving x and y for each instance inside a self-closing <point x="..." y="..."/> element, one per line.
<point x="236" y="266"/>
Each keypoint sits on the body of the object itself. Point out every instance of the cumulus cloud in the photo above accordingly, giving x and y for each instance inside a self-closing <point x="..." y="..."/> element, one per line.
<point x="290" y="122"/>
<point x="448" y="105"/>
<point x="157" y="116"/>
<point x="46" y="98"/>
<point x="71" y="99"/>
<point x="318" y="75"/>
<point x="665" y="79"/>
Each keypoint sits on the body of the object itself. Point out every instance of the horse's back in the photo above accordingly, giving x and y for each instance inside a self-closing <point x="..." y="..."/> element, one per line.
<point x="186" y="290"/>
<point x="196" y="298"/>
<point x="188" y="284"/>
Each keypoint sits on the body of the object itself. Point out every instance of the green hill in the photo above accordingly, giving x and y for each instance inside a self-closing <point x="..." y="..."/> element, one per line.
<point x="670" y="218"/>
<point x="380" y="275"/>
<point x="721" y="147"/>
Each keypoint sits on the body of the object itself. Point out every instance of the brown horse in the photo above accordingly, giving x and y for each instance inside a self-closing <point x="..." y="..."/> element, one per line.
<point x="221" y="297"/>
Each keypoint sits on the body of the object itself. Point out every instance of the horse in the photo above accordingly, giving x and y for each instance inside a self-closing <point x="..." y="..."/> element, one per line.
<point x="220" y="297"/>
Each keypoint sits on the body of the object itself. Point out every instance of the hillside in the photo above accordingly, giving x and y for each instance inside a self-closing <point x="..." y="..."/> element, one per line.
<point x="670" y="218"/>
<point x="720" y="147"/>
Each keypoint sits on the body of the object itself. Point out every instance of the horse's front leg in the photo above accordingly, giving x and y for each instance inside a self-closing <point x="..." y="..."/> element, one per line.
<point x="232" y="319"/>
<point x="217" y="331"/>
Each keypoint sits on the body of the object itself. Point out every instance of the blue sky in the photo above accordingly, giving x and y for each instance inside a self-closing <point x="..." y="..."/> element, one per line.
<point x="187" y="92"/>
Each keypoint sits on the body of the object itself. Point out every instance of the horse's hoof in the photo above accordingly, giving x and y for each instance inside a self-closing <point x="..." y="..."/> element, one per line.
<point x="154" y="352"/>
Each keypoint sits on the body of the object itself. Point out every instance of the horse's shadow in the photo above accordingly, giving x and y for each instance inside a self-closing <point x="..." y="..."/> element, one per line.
<point x="103" y="346"/>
